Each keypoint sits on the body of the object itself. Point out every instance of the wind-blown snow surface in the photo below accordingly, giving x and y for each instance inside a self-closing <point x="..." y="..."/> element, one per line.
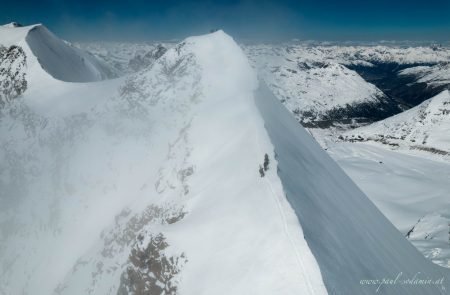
<point x="58" y="58"/>
<point x="153" y="187"/>
<point x="412" y="191"/>
<point x="413" y="186"/>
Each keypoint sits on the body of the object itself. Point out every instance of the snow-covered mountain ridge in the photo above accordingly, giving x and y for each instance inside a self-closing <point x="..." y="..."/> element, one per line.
<point x="424" y="128"/>
<point x="58" y="58"/>
<point x="318" y="83"/>
<point x="434" y="76"/>
<point x="149" y="158"/>
<point x="302" y="66"/>
<point x="317" y="90"/>
<point x="367" y="55"/>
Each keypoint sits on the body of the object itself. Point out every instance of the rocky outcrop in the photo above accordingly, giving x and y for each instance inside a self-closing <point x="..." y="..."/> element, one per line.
<point x="13" y="83"/>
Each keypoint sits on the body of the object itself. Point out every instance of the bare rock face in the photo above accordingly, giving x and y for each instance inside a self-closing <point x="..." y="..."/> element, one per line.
<point x="124" y="234"/>
<point x="13" y="62"/>
<point x="150" y="270"/>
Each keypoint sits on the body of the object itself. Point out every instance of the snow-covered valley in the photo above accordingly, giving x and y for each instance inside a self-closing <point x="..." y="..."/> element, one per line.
<point x="184" y="174"/>
<point x="406" y="187"/>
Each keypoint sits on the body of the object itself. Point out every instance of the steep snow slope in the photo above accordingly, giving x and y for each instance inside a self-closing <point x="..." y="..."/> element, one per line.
<point x="423" y="128"/>
<point x="313" y="88"/>
<point x="349" y="237"/>
<point x="148" y="188"/>
<point x="58" y="58"/>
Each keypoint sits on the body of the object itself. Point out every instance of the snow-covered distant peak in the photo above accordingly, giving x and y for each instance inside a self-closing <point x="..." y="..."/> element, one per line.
<point x="14" y="35"/>
<point x="58" y="58"/>
<point x="62" y="60"/>
<point x="358" y="55"/>
<point x="424" y="127"/>
<point x="12" y="25"/>
<point x="313" y="88"/>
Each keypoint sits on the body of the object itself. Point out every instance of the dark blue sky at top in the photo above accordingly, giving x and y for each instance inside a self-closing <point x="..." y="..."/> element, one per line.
<point x="244" y="19"/>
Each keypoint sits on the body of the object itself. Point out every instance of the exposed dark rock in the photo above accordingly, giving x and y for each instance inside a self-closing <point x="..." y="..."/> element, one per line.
<point x="261" y="171"/>
<point x="363" y="113"/>
<point x="431" y="150"/>
<point x="151" y="271"/>
<point x="140" y="62"/>
<point x="123" y="234"/>
<point x="266" y="162"/>
<point x="13" y="62"/>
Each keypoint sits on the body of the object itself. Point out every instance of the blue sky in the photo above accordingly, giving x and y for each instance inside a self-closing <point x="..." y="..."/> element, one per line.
<point x="336" y="20"/>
